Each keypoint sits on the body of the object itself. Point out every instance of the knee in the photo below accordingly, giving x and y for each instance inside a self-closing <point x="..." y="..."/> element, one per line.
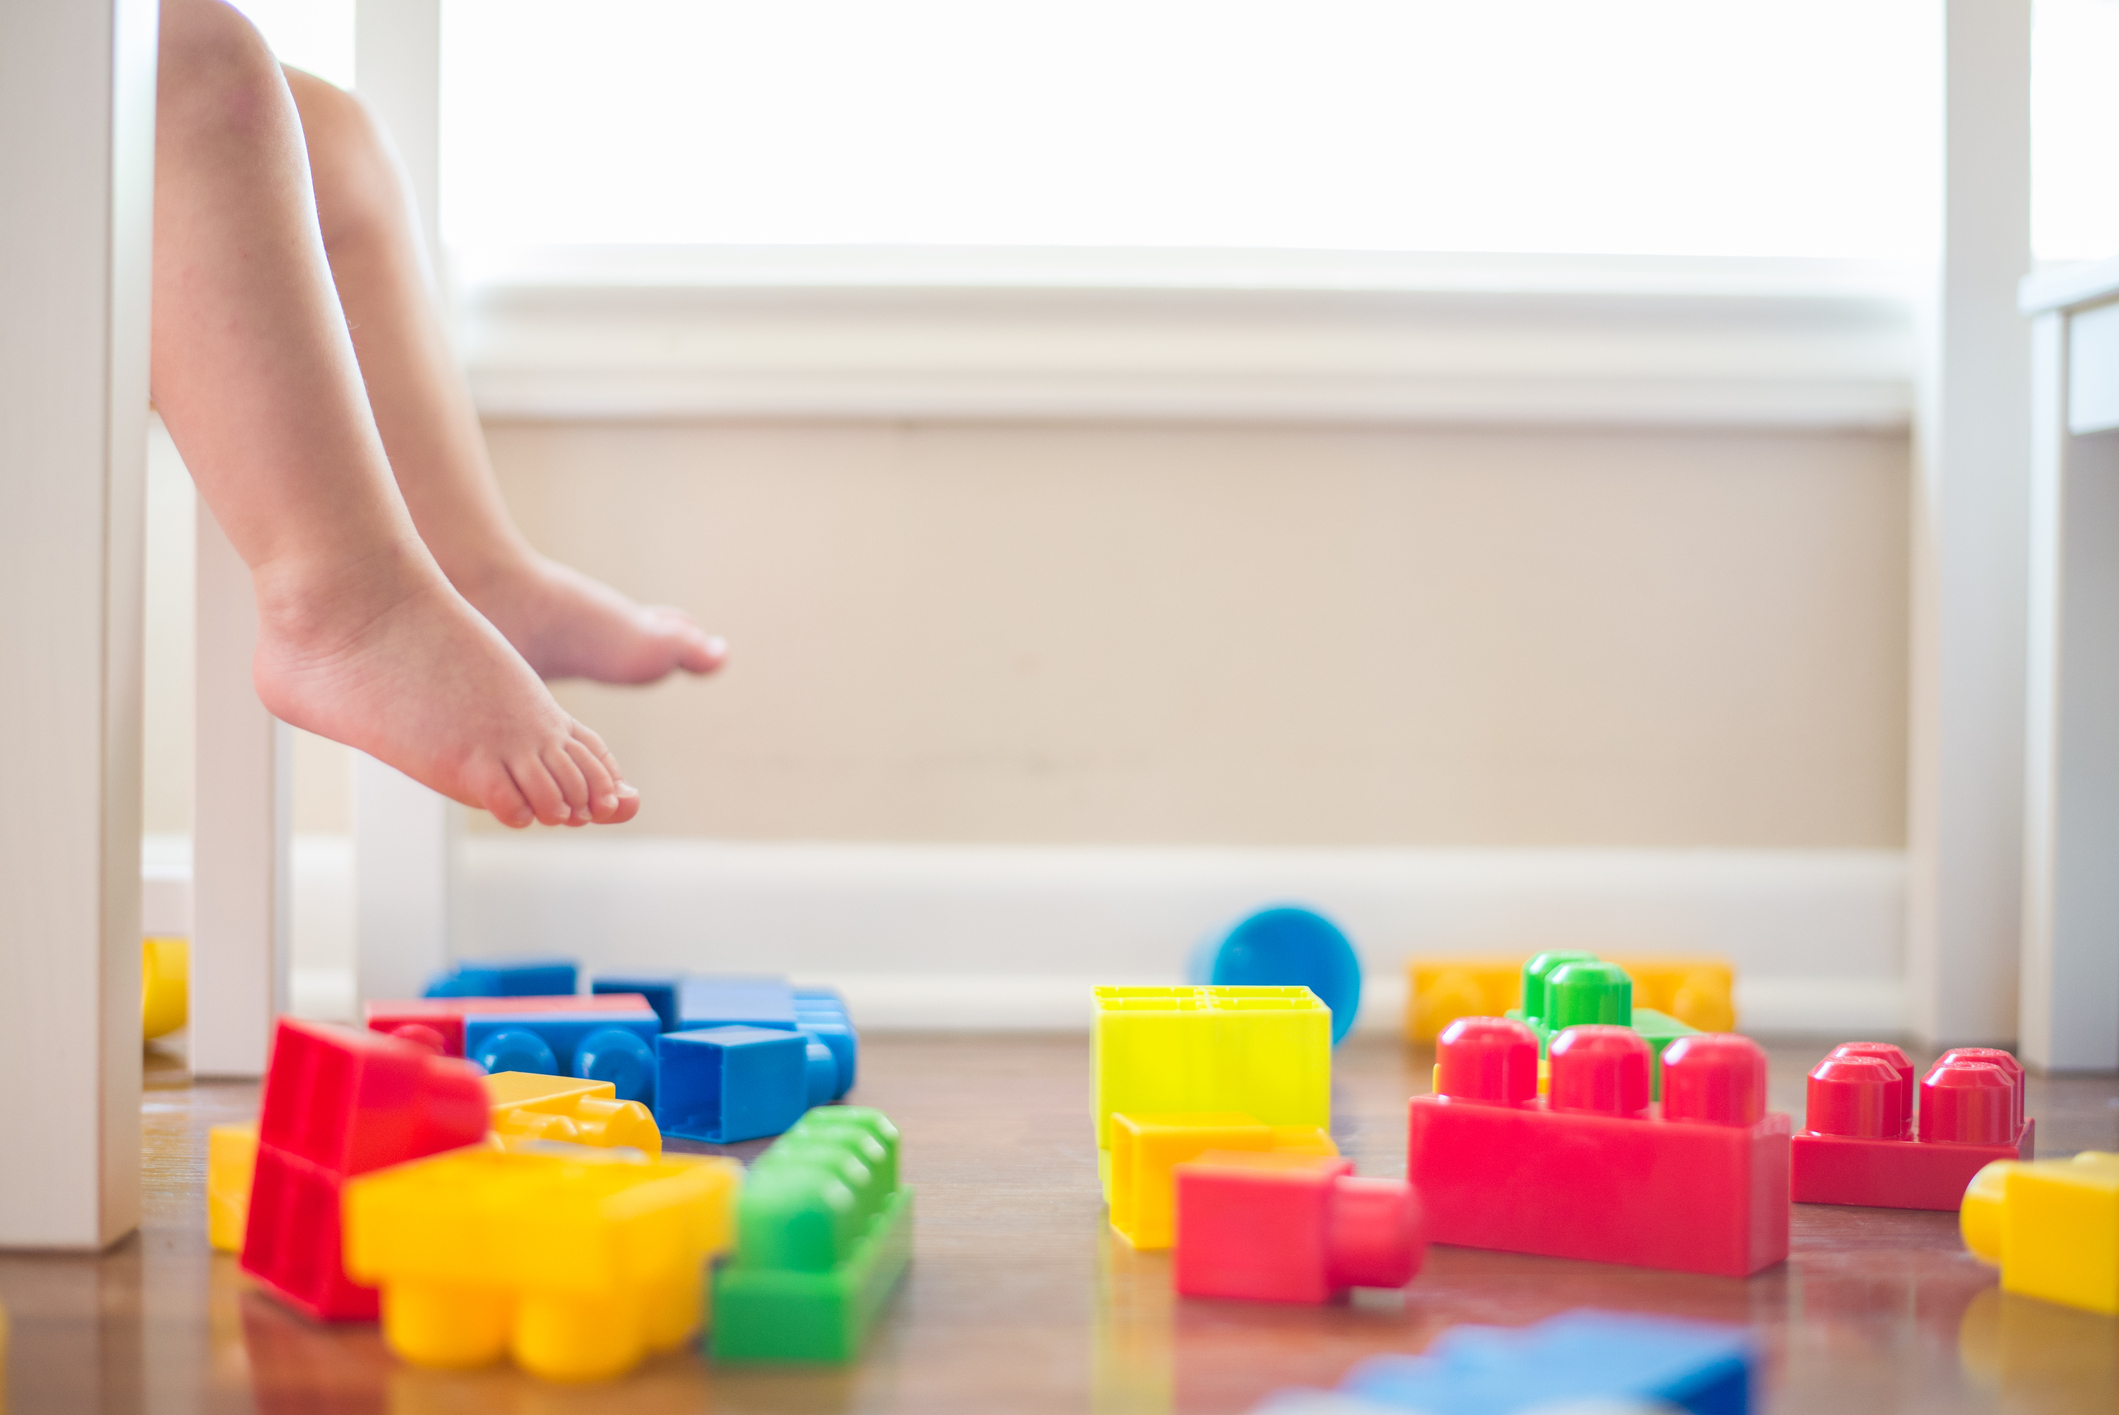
<point x="215" y="71"/>
<point x="359" y="190"/>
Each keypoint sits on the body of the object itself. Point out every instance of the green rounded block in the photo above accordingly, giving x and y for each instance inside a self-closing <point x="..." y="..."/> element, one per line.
<point x="1535" y="973"/>
<point x="1587" y="993"/>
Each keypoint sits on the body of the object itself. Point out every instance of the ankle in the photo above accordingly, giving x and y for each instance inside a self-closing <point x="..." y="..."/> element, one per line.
<point x="327" y="600"/>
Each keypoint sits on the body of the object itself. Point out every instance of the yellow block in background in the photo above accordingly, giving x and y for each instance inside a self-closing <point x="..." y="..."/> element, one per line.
<point x="1146" y="1148"/>
<point x="561" y="1108"/>
<point x="579" y="1265"/>
<point x="1696" y="991"/>
<point x="231" y="1158"/>
<point x="165" y="985"/>
<point x="2051" y="1226"/>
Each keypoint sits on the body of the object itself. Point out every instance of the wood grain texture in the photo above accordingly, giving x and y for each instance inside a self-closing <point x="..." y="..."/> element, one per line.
<point x="1021" y="1300"/>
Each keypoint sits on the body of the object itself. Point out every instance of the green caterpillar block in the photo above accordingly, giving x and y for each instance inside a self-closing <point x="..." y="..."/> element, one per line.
<point x="823" y="1233"/>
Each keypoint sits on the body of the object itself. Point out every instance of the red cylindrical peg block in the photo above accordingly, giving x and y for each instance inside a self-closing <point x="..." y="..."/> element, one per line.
<point x="1374" y="1236"/>
<point x="1858" y="1096"/>
<point x="1900" y="1066"/>
<point x="1487" y="1059"/>
<point x="1716" y="1078"/>
<point x="1967" y="1103"/>
<point x="2009" y="1065"/>
<point x="1602" y="1069"/>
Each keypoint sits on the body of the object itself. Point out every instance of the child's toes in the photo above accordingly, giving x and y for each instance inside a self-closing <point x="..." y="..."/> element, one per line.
<point x="603" y="791"/>
<point x="573" y="786"/>
<point x="691" y="647"/>
<point x="499" y="794"/>
<point x="538" y="788"/>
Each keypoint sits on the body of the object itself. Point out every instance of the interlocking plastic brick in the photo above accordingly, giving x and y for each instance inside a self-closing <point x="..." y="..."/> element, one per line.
<point x="579" y="1265"/>
<point x="1283" y="946"/>
<point x="1562" y="990"/>
<point x="823" y="1235"/>
<point x="510" y="977"/>
<point x="1696" y="991"/>
<point x="726" y="1084"/>
<point x="822" y="1013"/>
<point x="1593" y="1170"/>
<point x="735" y="1000"/>
<point x="1284" y="1227"/>
<point x="614" y="1046"/>
<point x="659" y="990"/>
<point x="1264" y="1051"/>
<point x="231" y="1158"/>
<point x="2051" y="1226"/>
<point x="432" y="1021"/>
<point x="1860" y="1143"/>
<point x="568" y="1110"/>
<point x="1146" y="1148"/>
<point x="1581" y="1356"/>
<point x="701" y="1002"/>
<point x="340" y="1103"/>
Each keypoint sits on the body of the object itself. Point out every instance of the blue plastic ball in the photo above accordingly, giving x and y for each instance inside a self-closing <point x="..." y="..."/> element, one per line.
<point x="1286" y="946"/>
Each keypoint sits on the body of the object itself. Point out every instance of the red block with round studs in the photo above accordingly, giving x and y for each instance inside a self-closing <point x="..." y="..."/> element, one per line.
<point x="1593" y="1170"/>
<point x="426" y="1021"/>
<point x="1267" y="1227"/>
<point x="1861" y="1145"/>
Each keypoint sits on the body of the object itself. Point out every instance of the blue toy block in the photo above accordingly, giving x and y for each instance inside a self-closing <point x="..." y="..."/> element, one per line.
<point x="660" y="990"/>
<point x="735" y="1000"/>
<point x="618" y="1047"/>
<point x="1577" y="1356"/>
<point x="1284" y="946"/>
<point x="724" y="1084"/>
<point x="512" y="977"/>
<point x="839" y="1038"/>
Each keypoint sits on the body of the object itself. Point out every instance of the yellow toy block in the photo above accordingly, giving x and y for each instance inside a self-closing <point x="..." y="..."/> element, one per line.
<point x="231" y="1156"/>
<point x="165" y="985"/>
<point x="1145" y="1148"/>
<point x="1697" y="991"/>
<point x="2051" y="1226"/>
<point x="1264" y="1051"/>
<point x="1700" y="992"/>
<point x="561" y="1108"/>
<point x="579" y="1265"/>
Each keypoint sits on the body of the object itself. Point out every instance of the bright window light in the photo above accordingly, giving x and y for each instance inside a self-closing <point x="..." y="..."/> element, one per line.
<point x="1660" y="127"/>
<point x="316" y="35"/>
<point x="2074" y="121"/>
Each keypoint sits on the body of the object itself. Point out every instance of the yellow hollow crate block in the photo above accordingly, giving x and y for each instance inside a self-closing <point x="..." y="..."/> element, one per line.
<point x="231" y="1155"/>
<point x="1263" y="1051"/>
<point x="1146" y="1148"/>
<point x="528" y="1106"/>
<point x="579" y="1265"/>
<point x="2051" y="1226"/>
<point x="1697" y="991"/>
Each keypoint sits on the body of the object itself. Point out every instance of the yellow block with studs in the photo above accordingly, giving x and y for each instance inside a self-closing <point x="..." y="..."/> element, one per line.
<point x="528" y="1106"/>
<point x="2051" y="1226"/>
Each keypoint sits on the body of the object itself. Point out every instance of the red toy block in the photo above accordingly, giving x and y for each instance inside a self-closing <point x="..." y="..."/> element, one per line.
<point x="1278" y="1227"/>
<point x="1698" y="1183"/>
<point x="442" y="1018"/>
<point x="1859" y="1144"/>
<point x="340" y="1103"/>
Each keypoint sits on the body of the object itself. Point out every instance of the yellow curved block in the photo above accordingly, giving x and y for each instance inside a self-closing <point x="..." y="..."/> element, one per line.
<point x="165" y="985"/>
<point x="2051" y="1226"/>
<point x="528" y="1106"/>
<point x="231" y="1157"/>
<point x="579" y="1265"/>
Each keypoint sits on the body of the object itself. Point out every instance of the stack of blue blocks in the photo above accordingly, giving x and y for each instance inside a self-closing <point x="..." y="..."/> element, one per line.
<point x="510" y="977"/>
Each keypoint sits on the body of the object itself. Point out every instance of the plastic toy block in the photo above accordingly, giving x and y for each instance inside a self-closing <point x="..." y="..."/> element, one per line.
<point x="1593" y="1170"/>
<point x="700" y="1003"/>
<point x="441" y="1019"/>
<point x="231" y="1157"/>
<point x="1440" y="990"/>
<point x="1145" y="1148"/>
<point x="822" y="1013"/>
<point x="1584" y="1356"/>
<point x="614" y="1046"/>
<point x="165" y="985"/>
<point x="579" y="1266"/>
<point x="1264" y="1051"/>
<point x="566" y="1110"/>
<point x="1699" y="992"/>
<point x="659" y="990"/>
<point x="512" y="977"/>
<point x="1285" y="1227"/>
<point x="1562" y="990"/>
<point x="1284" y="946"/>
<point x="340" y="1103"/>
<point x="823" y="1234"/>
<point x="2051" y="1226"/>
<point x="1861" y="1145"/>
<point x="725" y="1084"/>
<point x="735" y="1000"/>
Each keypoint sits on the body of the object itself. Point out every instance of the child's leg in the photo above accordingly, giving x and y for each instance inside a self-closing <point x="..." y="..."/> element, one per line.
<point x="360" y="637"/>
<point x="565" y="624"/>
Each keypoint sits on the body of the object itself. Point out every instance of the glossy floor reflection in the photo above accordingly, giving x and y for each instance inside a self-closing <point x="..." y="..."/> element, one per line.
<point x="1021" y="1300"/>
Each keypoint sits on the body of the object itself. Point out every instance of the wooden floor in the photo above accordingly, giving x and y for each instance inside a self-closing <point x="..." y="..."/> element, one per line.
<point x="1019" y="1298"/>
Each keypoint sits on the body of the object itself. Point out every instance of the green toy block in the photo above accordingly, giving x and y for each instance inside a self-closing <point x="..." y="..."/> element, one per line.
<point x="1579" y="989"/>
<point x="823" y="1233"/>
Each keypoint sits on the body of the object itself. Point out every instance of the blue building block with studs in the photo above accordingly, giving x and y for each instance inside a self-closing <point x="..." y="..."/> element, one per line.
<point x="1284" y="946"/>
<point x="511" y="977"/>
<point x="822" y="1013"/>
<point x="660" y="990"/>
<point x="1577" y="1356"/>
<point x="618" y="1047"/>
<point x="701" y="1001"/>
<point x="724" y="1084"/>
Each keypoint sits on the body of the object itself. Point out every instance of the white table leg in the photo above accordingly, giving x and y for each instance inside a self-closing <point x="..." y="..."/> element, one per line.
<point x="403" y="859"/>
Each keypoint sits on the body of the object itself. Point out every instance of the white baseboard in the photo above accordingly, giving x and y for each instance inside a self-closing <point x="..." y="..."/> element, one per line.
<point x="998" y="937"/>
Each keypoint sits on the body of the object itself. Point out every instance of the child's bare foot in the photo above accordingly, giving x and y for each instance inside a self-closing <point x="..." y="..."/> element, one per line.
<point x="570" y="626"/>
<point x="383" y="655"/>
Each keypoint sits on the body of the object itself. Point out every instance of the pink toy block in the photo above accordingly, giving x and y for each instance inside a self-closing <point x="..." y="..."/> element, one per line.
<point x="1595" y="1171"/>
<point x="438" y="1022"/>
<point x="1860" y="1144"/>
<point x="1278" y="1227"/>
<point x="339" y="1103"/>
